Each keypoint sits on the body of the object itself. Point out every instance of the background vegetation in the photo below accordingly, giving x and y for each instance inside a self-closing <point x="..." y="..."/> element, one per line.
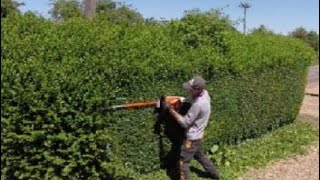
<point x="56" y="73"/>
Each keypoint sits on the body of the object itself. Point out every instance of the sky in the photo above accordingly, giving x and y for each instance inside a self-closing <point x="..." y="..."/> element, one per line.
<point x="280" y="16"/>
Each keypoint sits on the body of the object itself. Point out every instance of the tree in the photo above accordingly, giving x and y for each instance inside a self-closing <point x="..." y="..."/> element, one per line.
<point x="65" y="9"/>
<point x="117" y="13"/>
<point x="313" y="40"/>
<point x="126" y="15"/>
<point x="262" y="29"/>
<point x="215" y="17"/>
<point x="300" y="33"/>
<point x="9" y="6"/>
<point x="105" y="10"/>
<point x="90" y="8"/>
<point x="204" y="28"/>
<point x="105" y="6"/>
<point x="311" y="37"/>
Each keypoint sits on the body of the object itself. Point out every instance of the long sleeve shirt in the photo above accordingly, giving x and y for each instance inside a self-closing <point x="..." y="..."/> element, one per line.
<point x="197" y="117"/>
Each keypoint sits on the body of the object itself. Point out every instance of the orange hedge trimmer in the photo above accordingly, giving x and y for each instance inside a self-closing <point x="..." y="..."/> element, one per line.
<point x="174" y="101"/>
<point x="164" y="123"/>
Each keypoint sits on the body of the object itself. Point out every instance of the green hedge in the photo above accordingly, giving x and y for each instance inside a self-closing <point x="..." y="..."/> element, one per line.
<point x="55" y="75"/>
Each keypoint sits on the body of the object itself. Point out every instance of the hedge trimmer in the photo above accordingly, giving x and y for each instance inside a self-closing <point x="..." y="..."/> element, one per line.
<point x="164" y="125"/>
<point x="174" y="101"/>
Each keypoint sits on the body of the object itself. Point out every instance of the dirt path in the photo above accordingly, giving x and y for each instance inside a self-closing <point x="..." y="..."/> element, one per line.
<point x="309" y="110"/>
<point x="302" y="167"/>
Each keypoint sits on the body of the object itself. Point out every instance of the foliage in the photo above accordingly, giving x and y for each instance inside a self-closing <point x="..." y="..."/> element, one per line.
<point x="54" y="77"/>
<point x="309" y="37"/>
<point x="234" y="160"/>
<point x="65" y="9"/>
<point x="262" y="30"/>
<point x="105" y="5"/>
<point x="9" y="7"/>
<point x="279" y="144"/>
<point x="105" y="10"/>
<point x="117" y="13"/>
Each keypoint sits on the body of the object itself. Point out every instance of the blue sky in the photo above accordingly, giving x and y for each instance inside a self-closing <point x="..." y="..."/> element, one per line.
<point x="281" y="16"/>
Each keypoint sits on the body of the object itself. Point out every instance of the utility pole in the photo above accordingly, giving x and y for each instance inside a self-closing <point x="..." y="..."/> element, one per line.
<point x="245" y="6"/>
<point x="90" y="8"/>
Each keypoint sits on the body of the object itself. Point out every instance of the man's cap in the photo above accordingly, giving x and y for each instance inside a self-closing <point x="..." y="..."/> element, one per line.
<point x="196" y="83"/>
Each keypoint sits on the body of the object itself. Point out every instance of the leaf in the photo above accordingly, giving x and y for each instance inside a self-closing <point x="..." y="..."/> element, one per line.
<point x="214" y="149"/>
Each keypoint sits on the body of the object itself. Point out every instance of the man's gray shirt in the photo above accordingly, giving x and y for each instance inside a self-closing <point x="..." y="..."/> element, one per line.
<point x="197" y="117"/>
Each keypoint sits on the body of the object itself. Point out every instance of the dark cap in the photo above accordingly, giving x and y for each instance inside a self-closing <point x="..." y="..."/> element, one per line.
<point x="196" y="83"/>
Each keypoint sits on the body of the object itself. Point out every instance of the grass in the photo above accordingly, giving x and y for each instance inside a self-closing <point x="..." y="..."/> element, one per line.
<point x="235" y="160"/>
<point x="315" y="62"/>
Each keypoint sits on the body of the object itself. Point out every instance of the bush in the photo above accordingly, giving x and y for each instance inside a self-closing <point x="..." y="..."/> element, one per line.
<point x="54" y="76"/>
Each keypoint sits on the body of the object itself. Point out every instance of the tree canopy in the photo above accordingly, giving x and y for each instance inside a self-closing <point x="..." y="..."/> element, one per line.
<point x="262" y="29"/>
<point x="9" y="6"/>
<point x="105" y="10"/>
<point x="309" y="37"/>
<point x="65" y="9"/>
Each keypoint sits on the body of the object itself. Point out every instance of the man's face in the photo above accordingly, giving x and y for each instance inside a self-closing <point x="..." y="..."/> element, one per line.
<point x="194" y="93"/>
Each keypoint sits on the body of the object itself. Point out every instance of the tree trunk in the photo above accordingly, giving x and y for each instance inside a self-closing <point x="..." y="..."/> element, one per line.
<point x="90" y="8"/>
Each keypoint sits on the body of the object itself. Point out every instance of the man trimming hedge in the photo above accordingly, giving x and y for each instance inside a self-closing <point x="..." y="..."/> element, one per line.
<point x="194" y="122"/>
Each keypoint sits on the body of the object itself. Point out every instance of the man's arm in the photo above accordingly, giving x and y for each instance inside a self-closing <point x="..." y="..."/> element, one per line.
<point x="189" y="118"/>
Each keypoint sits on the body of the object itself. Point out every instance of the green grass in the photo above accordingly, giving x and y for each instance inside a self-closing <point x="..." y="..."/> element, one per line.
<point x="315" y="62"/>
<point x="286" y="141"/>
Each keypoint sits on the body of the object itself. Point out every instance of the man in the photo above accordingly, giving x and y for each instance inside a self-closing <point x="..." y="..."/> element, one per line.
<point x="194" y="121"/>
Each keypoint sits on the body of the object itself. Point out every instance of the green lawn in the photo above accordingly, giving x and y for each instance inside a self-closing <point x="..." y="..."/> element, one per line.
<point x="234" y="160"/>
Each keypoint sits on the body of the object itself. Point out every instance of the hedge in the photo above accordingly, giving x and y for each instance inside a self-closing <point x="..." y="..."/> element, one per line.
<point x="54" y="76"/>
